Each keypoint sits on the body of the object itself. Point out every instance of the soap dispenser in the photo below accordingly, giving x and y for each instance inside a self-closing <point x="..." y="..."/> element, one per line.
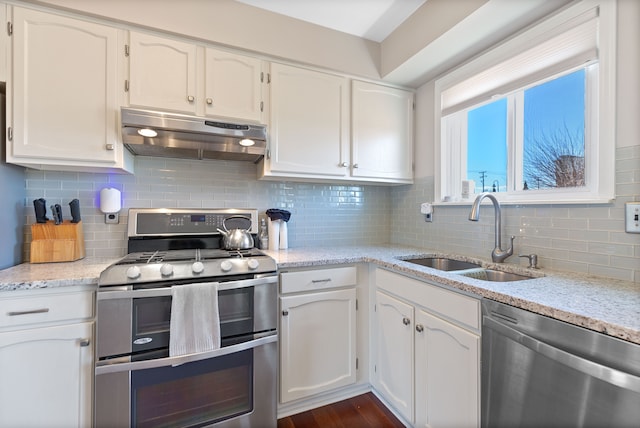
<point x="263" y="236"/>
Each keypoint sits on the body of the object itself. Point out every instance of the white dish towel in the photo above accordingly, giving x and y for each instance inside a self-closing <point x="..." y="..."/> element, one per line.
<point x="195" y="320"/>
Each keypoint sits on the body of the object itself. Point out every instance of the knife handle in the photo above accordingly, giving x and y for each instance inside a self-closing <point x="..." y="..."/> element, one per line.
<point x="40" y="207"/>
<point x="54" y="212"/>
<point x="74" y="206"/>
<point x="59" y="213"/>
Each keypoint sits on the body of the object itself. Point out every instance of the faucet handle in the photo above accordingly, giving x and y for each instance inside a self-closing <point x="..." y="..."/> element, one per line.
<point x="533" y="260"/>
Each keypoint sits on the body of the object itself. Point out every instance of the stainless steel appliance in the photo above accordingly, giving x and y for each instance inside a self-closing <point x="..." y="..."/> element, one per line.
<point x="158" y="133"/>
<point x="541" y="372"/>
<point x="137" y="383"/>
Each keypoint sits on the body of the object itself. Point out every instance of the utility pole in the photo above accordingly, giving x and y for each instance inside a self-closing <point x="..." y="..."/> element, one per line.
<point x="483" y="175"/>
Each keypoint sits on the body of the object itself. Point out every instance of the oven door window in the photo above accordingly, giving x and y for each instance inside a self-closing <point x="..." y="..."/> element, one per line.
<point x="236" y="311"/>
<point x="151" y="319"/>
<point x="193" y="394"/>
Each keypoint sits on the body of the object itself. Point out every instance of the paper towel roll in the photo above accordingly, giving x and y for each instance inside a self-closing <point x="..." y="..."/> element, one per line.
<point x="273" y="227"/>
<point x="284" y="240"/>
<point x="110" y="200"/>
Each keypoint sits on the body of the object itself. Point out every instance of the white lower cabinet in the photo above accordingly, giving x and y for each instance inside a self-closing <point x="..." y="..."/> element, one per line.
<point x="46" y="359"/>
<point x="427" y="352"/>
<point x="394" y="374"/>
<point x="317" y="332"/>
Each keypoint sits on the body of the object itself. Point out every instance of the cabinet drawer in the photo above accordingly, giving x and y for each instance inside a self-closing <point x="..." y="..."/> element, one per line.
<point x="461" y="309"/>
<point x="38" y="306"/>
<point x="317" y="279"/>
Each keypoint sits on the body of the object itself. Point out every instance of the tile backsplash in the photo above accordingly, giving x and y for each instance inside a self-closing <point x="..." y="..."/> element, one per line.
<point x="322" y="214"/>
<point x="575" y="238"/>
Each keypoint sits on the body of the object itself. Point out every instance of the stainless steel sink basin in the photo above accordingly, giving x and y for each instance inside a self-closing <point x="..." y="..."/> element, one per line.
<point x="443" y="263"/>
<point x="494" y="275"/>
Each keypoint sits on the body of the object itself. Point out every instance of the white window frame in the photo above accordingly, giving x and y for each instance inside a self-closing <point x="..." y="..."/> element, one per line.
<point x="600" y="142"/>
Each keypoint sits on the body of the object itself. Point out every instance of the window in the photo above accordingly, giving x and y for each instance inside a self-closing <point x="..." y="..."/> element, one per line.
<point x="532" y="120"/>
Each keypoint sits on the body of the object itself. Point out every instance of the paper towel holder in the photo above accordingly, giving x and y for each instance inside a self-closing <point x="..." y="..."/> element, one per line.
<point x="110" y="205"/>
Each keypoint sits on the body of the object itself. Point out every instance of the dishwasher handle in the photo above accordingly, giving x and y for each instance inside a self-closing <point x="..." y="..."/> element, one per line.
<point x="590" y="368"/>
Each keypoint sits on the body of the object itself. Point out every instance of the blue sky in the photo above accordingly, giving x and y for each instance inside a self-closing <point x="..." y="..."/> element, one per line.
<point x="547" y="106"/>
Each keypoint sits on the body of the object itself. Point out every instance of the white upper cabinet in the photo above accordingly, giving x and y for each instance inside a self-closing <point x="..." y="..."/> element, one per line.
<point x="62" y="100"/>
<point x="168" y="74"/>
<point x="234" y="85"/>
<point x="162" y="73"/>
<point x="381" y="132"/>
<point x="325" y="127"/>
<point x="309" y="127"/>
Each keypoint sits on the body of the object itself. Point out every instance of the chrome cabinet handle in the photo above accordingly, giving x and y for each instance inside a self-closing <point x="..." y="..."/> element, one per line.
<point x="343" y="165"/>
<point x="190" y="98"/>
<point x="355" y="165"/>
<point x="85" y="342"/>
<point x="406" y="321"/>
<point x="317" y="281"/>
<point x="33" y="311"/>
<point x="209" y="101"/>
<point x="419" y="328"/>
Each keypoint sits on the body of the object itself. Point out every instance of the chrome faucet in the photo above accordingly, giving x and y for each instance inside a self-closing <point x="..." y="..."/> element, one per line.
<point x="497" y="255"/>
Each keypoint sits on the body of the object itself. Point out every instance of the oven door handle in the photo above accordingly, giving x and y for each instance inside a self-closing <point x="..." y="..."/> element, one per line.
<point x="125" y="291"/>
<point x="112" y="366"/>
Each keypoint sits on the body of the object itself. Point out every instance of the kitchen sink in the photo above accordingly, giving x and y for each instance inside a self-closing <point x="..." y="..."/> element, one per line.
<point x="494" y="275"/>
<point x="441" y="263"/>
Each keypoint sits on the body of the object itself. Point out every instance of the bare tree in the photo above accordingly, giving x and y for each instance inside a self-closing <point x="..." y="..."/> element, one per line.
<point x="554" y="159"/>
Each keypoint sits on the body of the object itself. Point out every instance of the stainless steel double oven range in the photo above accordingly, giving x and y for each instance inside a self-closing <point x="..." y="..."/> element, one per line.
<point x="137" y="383"/>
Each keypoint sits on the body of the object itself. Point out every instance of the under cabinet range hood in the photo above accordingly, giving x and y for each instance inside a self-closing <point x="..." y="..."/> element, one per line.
<point x="157" y="133"/>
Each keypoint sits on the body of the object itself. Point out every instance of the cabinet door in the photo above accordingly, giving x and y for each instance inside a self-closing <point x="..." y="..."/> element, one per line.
<point x="47" y="376"/>
<point x="162" y="73"/>
<point x="447" y="374"/>
<point x="393" y="376"/>
<point x="63" y="94"/>
<point x="382" y="132"/>
<point x="233" y="86"/>
<point x="317" y="343"/>
<point x="309" y="122"/>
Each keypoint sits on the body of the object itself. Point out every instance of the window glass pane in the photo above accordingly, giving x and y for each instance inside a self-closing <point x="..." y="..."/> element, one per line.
<point x="553" y="154"/>
<point x="487" y="146"/>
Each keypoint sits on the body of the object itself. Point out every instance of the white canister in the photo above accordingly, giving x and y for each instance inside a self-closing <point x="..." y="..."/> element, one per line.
<point x="273" y="227"/>
<point x="284" y="240"/>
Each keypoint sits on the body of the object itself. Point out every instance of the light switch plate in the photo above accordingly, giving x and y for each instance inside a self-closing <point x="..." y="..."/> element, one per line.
<point x="632" y="217"/>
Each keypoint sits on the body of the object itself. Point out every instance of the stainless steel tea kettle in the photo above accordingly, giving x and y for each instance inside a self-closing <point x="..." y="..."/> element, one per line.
<point x="236" y="239"/>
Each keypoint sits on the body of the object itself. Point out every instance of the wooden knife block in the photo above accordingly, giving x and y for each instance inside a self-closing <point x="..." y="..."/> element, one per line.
<point x="57" y="243"/>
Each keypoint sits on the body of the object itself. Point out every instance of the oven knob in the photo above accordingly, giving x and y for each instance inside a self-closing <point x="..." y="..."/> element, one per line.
<point x="197" y="267"/>
<point x="253" y="264"/>
<point x="133" y="272"/>
<point x="166" y="269"/>
<point x="226" y="265"/>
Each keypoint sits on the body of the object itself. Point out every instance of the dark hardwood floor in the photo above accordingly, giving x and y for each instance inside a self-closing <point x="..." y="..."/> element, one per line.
<point x="362" y="411"/>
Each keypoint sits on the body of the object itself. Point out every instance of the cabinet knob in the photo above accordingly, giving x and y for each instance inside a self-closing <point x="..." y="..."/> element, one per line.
<point x="191" y="98"/>
<point x="406" y="321"/>
<point x="85" y="342"/>
<point x="355" y="165"/>
<point x="419" y="328"/>
<point x="344" y="164"/>
<point x="285" y="313"/>
<point x="209" y="101"/>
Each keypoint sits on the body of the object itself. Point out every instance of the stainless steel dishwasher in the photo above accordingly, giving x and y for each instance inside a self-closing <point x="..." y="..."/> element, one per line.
<point x="541" y="372"/>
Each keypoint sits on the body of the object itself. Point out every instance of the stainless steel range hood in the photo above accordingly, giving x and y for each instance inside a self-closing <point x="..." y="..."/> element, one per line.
<point x="190" y="137"/>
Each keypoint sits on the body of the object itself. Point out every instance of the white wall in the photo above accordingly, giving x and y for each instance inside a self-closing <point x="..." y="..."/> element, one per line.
<point x="575" y="238"/>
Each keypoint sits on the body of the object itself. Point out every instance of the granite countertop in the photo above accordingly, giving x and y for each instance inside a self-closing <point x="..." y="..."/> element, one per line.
<point x="601" y="304"/>
<point x="27" y="276"/>
<point x="605" y="305"/>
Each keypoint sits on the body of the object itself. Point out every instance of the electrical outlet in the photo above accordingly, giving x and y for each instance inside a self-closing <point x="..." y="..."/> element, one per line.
<point x="632" y="217"/>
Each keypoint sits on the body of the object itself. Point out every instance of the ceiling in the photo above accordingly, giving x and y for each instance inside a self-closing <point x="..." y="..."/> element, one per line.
<point x="370" y="19"/>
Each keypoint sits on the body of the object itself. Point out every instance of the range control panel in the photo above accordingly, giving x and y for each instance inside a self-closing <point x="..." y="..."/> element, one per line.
<point x="205" y="221"/>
